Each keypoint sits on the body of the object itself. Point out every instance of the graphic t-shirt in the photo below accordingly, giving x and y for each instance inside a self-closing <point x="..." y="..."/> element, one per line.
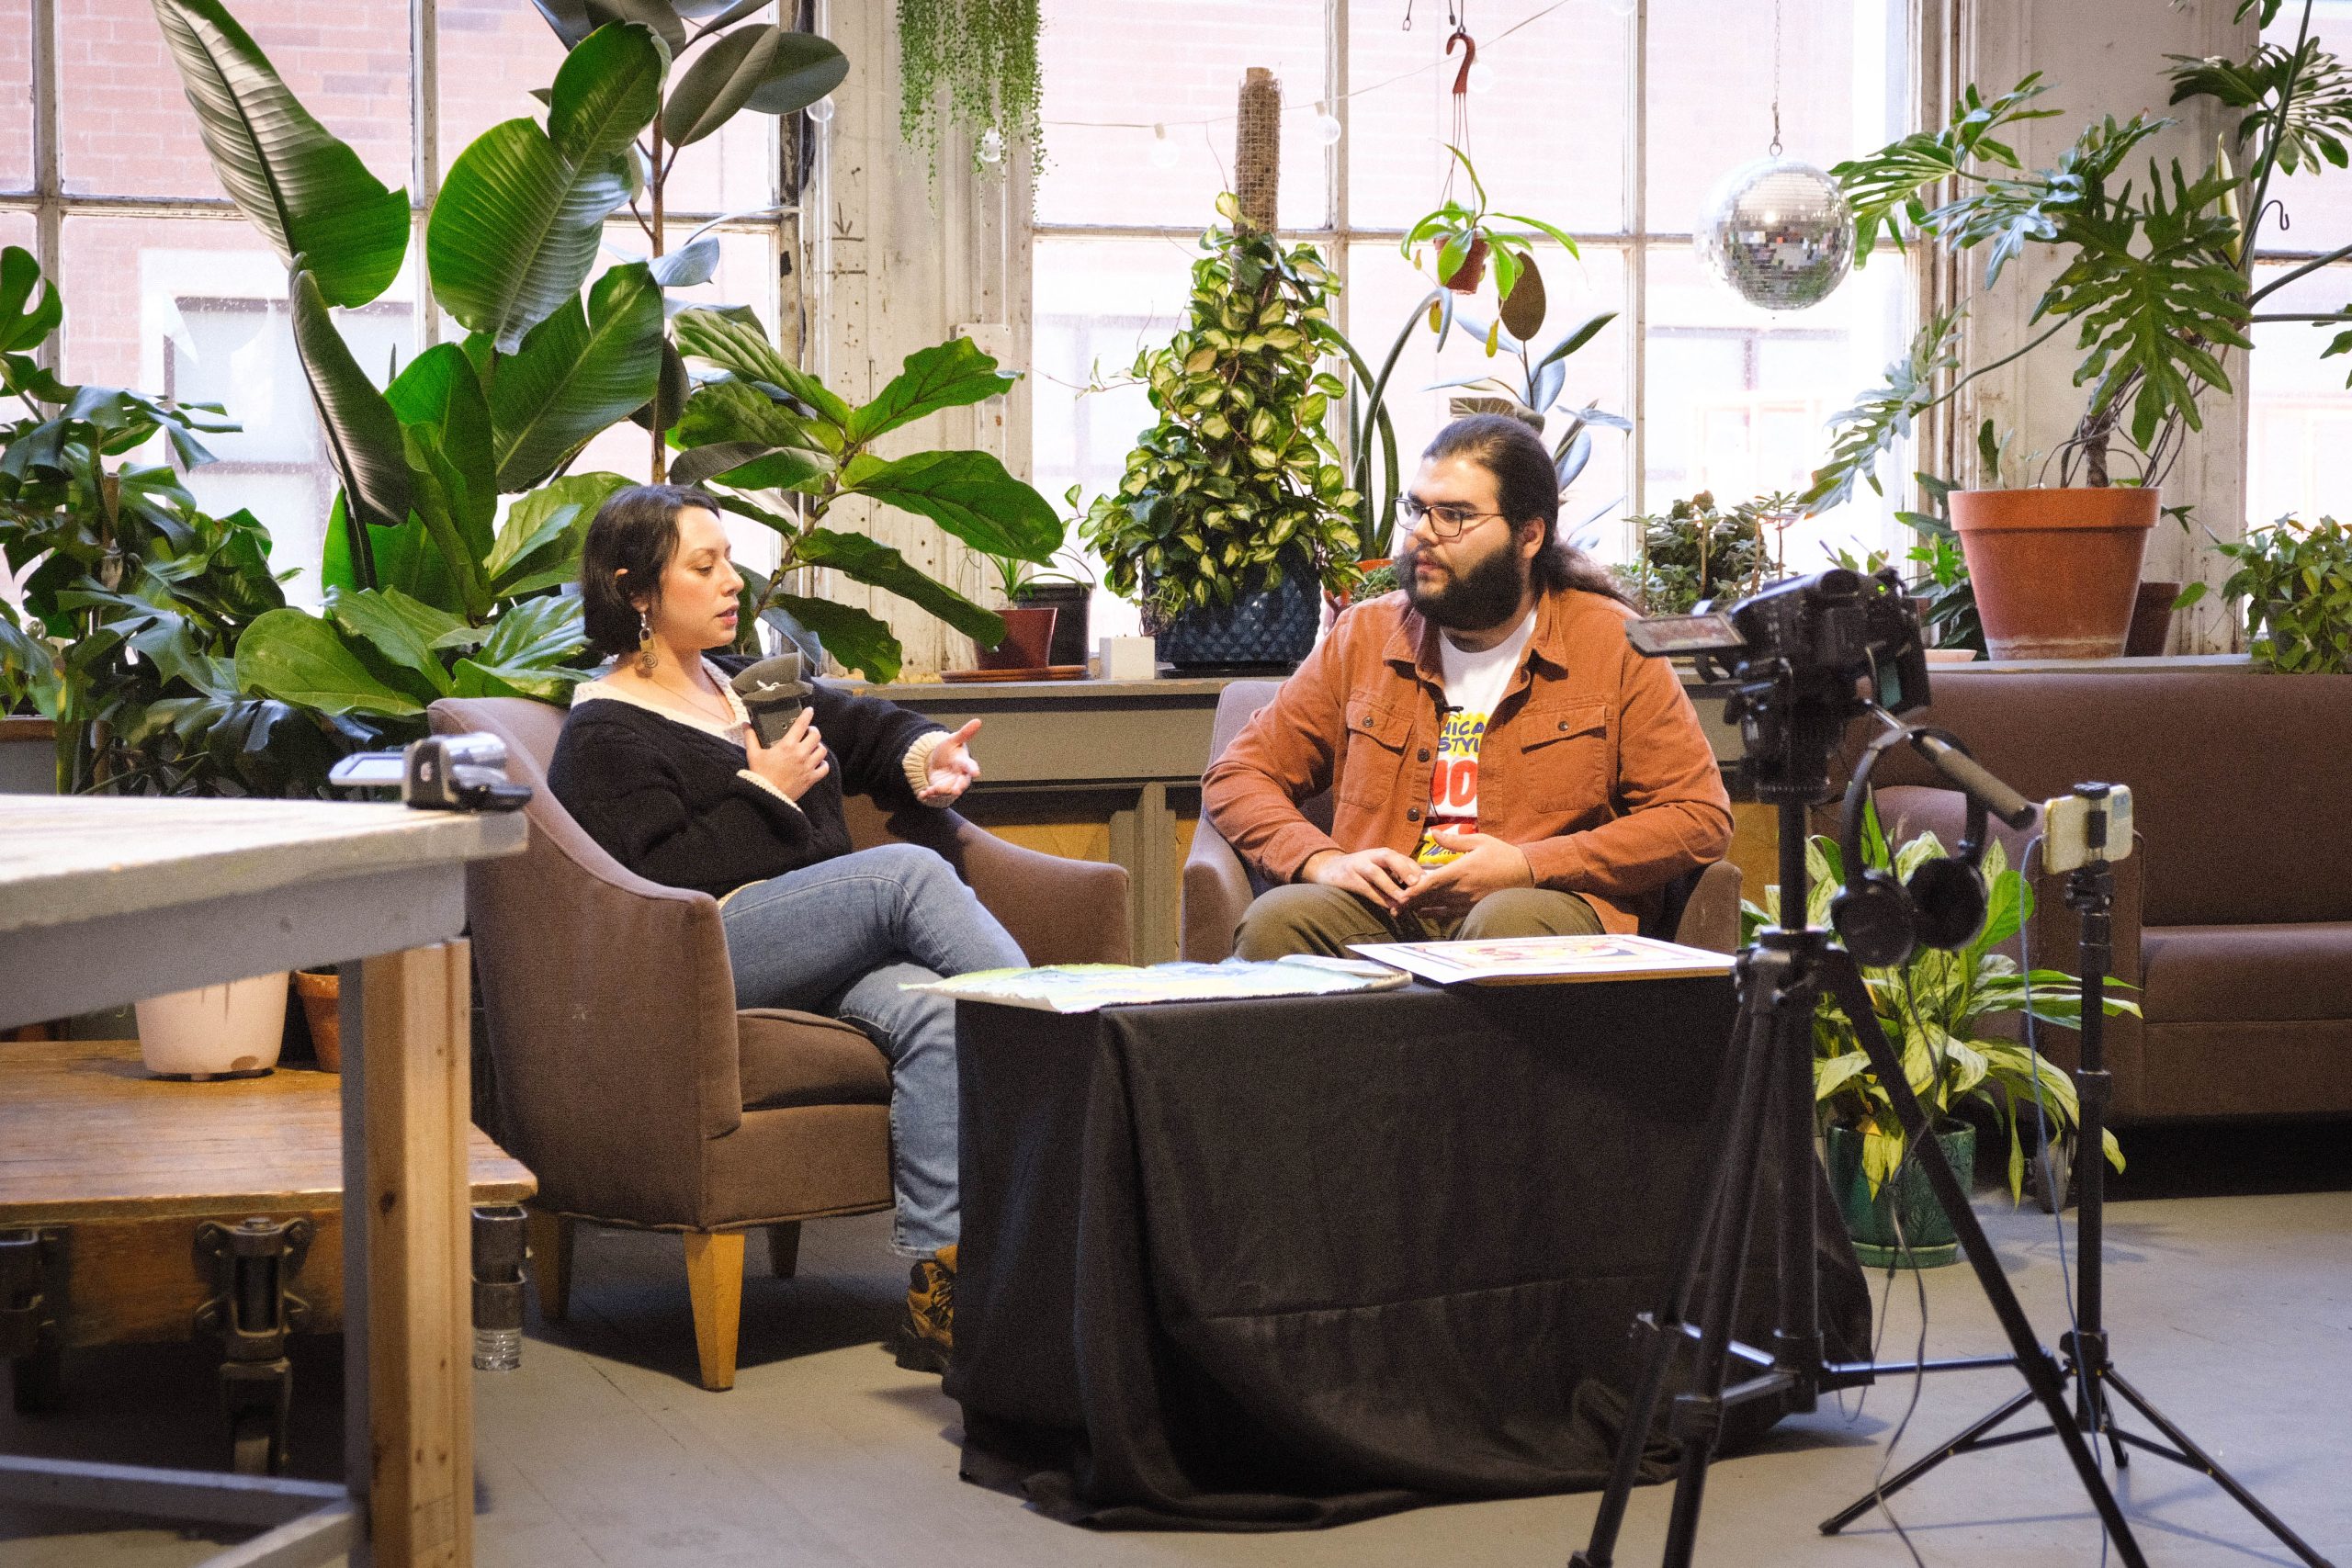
<point x="1475" y="682"/>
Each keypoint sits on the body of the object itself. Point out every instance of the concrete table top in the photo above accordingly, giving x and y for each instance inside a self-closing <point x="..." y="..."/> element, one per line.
<point x="106" y="900"/>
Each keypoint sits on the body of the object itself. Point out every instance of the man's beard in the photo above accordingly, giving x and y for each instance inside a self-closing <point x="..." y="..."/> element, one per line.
<point x="1474" y="599"/>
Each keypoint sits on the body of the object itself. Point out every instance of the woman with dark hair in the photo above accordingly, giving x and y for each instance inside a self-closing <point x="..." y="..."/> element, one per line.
<point x="660" y="764"/>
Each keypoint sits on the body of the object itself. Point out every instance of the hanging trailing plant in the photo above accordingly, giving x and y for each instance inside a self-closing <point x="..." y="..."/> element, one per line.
<point x="970" y="65"/>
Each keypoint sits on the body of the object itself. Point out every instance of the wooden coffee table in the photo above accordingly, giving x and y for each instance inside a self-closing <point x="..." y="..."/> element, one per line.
<point x="120" y="1172"/>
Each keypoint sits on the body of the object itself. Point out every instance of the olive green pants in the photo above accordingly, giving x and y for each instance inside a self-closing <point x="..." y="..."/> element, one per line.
<point x="1305" y="917"/>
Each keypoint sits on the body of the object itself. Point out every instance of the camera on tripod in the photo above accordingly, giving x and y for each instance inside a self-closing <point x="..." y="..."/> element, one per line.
<point x="1805" y="656"/>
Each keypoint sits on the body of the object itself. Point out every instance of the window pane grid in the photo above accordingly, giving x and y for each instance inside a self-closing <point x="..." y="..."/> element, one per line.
<point x="1552" y="128"/>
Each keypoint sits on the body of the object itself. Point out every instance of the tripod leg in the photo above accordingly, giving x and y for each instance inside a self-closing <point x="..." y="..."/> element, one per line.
<point x="1736" y="1083"/>
<point x="2035" y="1362"/>
<point x="1699" y="1415"/>
<point x="2199" y="1459"/>
<point x="1959" y="1444"/>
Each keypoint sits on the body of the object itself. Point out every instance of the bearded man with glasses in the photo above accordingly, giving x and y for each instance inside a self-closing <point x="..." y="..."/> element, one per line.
<point x="1501" y="763"/>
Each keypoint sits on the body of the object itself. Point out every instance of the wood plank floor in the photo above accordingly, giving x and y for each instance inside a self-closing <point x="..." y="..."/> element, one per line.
<point x="2233" y="1314"/>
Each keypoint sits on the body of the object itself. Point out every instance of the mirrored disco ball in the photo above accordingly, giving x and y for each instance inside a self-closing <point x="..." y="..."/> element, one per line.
<point x="1779" y="231"/>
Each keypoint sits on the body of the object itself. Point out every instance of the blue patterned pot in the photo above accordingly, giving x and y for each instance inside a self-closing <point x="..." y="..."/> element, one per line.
<point x="1267" y="629"/>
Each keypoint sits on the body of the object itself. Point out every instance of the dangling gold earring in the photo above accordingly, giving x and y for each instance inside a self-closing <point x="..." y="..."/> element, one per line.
<point x="647" y="658"/>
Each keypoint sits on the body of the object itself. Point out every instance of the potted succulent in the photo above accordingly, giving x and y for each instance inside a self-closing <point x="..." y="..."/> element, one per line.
<point x="1935" y="1010"/>
<point x="2157" y="282"/>
<point x="1235" y="503"/>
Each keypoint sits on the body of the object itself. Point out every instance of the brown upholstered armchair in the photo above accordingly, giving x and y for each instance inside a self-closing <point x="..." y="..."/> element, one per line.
<point x="1701" y="909"/>
<point x="631" y="1084"/>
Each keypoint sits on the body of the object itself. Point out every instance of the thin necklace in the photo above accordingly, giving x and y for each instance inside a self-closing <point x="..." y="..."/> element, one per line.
<point x="725" y="715"/>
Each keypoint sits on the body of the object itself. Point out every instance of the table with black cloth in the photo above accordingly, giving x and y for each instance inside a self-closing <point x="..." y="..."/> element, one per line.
<point x="1268" y="1265"/>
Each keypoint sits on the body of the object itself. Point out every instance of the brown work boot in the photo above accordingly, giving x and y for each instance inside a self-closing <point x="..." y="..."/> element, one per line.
<point x="923" y="1339"/>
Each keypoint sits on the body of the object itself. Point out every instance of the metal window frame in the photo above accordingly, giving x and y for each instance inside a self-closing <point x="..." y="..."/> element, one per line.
<point x="51" y="204"/>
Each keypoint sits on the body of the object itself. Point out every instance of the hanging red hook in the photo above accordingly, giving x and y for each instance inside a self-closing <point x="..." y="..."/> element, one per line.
<point x="1469" y="52"/>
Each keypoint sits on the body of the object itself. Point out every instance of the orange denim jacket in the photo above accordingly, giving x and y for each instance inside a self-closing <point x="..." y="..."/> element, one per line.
<point x="1593" y="764"/>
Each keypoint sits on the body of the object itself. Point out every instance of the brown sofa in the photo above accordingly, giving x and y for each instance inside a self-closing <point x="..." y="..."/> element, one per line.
<point x="2234" y="915"/>
<point x="629" y="1082"/>
<point x="1701" y="909"/>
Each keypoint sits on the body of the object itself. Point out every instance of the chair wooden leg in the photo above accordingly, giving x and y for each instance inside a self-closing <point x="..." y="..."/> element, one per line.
<point x="550" y="1238"/>
<point x="783" y="1250"/>
<point x="715" y="1284"/>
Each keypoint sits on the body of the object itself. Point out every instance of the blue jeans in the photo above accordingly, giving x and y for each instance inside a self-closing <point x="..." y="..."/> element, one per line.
<point x="840" y="938"/>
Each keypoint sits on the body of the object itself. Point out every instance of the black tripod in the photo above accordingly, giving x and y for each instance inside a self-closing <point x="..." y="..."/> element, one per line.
<point x="1766" y="1083"/>
<point x="2090" y="893"/>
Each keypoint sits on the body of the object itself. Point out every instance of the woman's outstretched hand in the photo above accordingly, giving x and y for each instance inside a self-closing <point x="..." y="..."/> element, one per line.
<point x="796" y="762"/>
<point x="952" y="769"/>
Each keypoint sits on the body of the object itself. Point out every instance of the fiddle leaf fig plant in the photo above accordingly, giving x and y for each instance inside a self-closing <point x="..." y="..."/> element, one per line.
<point x="777" y="446"/>
<point x="1237" y="476"/>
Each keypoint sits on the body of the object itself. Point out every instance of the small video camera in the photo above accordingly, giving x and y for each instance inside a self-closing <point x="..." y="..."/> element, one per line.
<point x="1804" y="657"/>
<point x="2094" y="823"/>
<point x="440" y="772"/>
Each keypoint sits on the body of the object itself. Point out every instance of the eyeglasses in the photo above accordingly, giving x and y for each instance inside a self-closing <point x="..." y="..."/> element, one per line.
<point x="1447" y="520"/>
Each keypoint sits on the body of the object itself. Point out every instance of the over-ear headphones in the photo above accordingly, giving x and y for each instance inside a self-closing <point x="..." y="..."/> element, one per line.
<point x="1883" y="921"/>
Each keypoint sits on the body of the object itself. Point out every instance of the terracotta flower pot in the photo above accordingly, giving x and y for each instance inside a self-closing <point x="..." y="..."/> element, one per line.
<point x="1473" y="270"/>
<point x="1028" y="640"/>
<point x="322" y="994"/>
<point x="2055" y="570"/>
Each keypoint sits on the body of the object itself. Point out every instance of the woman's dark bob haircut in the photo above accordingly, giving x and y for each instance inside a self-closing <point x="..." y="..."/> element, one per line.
<point x="1529" y="491"/>
<point x="629" y="547"/>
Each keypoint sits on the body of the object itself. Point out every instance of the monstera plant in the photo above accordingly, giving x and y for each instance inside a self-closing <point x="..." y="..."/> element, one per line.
<point x="434" y="587"/>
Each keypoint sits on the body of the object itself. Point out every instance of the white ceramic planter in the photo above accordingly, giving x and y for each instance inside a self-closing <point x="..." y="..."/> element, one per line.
<point x="215" y="1030"/>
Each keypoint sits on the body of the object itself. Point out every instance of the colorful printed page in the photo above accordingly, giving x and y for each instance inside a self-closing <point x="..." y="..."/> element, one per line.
<point x="1085" y="987"/>
<point x="1523" y="959"/>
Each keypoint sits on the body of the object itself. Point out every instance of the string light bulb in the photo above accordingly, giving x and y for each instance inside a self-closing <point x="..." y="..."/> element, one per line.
<point x="991" y="150"/>
<point x="1163" y="152"/>
<point x="1328" y="128"/>
<point x="821" y="111"/>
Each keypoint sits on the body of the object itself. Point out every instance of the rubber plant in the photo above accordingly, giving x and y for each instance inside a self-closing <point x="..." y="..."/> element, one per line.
<point x="777" y="446"/>
<point x="1238" y="474"/>
<point x="1934" y="1009"/>
<point x="134" y="596"/>
<point x="431" y="592"/>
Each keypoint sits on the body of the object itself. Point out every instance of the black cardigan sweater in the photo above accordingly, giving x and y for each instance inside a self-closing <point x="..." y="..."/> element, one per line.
<point x="669" y="801"/>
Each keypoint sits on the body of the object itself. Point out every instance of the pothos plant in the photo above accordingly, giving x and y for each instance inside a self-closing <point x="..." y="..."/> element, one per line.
<point x="1934" y="1010"/>
<point x="777" y="446"/>
<point x="430" y="592"/>
<point x="1237" y="476"/>
<point x="2157" y="282"/>
<point x="134" y="596"/>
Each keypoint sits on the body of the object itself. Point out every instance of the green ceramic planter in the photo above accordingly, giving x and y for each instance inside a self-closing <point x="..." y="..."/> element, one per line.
<point x="1925" y="1239"/>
